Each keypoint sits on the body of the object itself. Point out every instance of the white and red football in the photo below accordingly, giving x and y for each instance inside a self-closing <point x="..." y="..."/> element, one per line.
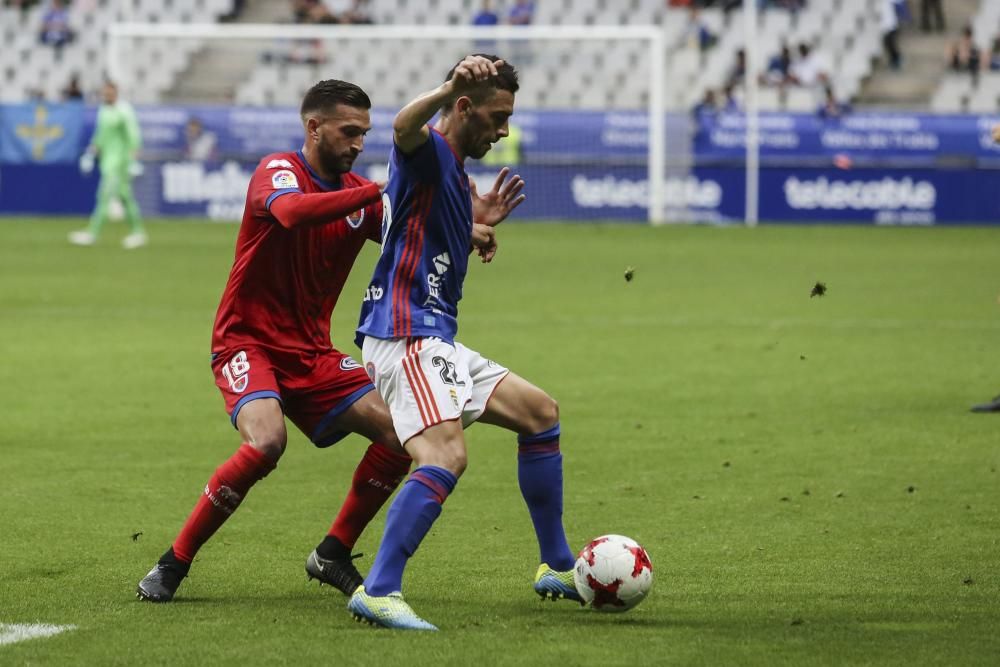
<point x="613" y="573"/>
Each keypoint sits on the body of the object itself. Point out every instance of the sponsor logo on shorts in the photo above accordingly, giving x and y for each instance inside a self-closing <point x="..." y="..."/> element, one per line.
<point x="355" y="219"/>
<point x="284" y="179"/>
<point x="454" y="397"/>
<point x="348" y="364"/>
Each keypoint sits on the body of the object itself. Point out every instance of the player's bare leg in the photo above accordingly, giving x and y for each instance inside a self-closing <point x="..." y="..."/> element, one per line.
<point x="261" y="423"/>
<point x="440" y="455"/>
<point x="521" y="407"/>
<point x="383" y="466"/>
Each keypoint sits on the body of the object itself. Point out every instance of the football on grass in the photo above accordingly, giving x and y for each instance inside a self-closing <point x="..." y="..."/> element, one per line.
<point x="613" y="573"/>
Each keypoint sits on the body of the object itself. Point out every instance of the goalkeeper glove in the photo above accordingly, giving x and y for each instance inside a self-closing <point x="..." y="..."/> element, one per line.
<point x="87" y="163"/>
<point x="135" y="169"/>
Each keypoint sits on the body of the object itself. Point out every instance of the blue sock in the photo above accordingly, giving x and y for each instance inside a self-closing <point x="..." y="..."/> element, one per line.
<point x="410" y="516"/>
<point x="539" y="474"/>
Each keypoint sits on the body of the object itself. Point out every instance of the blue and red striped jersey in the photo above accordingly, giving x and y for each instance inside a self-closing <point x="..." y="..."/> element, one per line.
<point x="426" y="236"/>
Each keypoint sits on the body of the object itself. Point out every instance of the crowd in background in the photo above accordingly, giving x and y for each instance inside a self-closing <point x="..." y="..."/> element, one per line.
<point x="798" y="66"/>
<point x="964" y="55"/>
<point x="350" y="12"/>
<point x="727" y="5"/>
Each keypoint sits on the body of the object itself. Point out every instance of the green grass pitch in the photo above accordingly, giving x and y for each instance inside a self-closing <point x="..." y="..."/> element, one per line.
<point x="803" y="471"/>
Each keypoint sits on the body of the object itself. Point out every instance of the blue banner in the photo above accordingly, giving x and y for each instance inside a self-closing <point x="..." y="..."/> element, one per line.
<point x="41" y="133"/>
<point x="863" y="138"/>
<point x="884" y="168"/>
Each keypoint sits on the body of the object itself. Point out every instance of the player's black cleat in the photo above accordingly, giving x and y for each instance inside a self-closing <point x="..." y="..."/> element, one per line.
<point x="992" y="406"/>
<point x="162" y="581"/>
<point x="337" y="572"/>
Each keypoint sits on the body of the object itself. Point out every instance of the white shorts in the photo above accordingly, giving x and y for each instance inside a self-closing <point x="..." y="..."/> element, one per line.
<point x="426" y="381"/>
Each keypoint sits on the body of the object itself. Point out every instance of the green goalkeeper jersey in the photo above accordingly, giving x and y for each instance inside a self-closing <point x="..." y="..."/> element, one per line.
<point x="116" y="136"/>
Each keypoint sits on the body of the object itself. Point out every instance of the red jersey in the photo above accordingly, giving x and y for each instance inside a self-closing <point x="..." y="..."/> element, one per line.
<point x="287" y="277"/>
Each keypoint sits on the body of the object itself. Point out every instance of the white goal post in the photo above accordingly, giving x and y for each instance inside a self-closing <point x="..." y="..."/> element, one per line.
<point x="652" y="37"/>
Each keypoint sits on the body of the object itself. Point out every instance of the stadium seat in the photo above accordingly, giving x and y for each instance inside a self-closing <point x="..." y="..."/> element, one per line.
<point x="690" y="72"/>
<point x="801" y="99"/>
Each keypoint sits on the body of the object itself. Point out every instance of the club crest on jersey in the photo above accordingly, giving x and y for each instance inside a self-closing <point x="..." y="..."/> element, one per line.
<point x="284" y="179"/>
<point x="355" y="219"/>
<point x="348" y="364"/>
<point x="274" y="164"/>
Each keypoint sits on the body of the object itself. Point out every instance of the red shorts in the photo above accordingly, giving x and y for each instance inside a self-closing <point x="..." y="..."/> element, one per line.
<point x="313" y="389"/>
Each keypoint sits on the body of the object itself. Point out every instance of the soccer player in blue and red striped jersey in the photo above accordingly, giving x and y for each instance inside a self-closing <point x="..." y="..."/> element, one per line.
<point x="435" y="386"/>
<point x="306" y="218"/>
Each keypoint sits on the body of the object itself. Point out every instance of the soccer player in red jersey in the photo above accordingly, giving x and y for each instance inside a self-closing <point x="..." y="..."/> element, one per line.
<point x="306" y="218"/>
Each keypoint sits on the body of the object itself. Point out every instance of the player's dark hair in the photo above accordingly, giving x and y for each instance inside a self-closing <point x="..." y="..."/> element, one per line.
<point x="506" y="79"/>
<point x="326" y="94"/>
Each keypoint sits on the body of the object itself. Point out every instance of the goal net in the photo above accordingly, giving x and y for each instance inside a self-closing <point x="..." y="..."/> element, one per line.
<point x="588" y="134"/>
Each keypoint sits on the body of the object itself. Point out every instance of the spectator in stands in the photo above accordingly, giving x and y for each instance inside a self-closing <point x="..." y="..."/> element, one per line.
<point x="964" y="54"/>
<point x="992" y="61"/>
<point x="521" y="13"/>
<point x="888" y="22"/>
<point x="708" y="106"/>
<point x="199" y="145"/>
<point x="810" y="69"/>
<point x="235" y="10"/>
<point x="23" y="5"/>
<point x="789" y="5"/>
<point x="696" y="33"/>
<point x="928" y="7"/>
<point x="485" y="15"/>
<point x="731" y="101"/>
<point x="312" y="11"/>
<point x="320" y="14"/>
<point x="779" y="68"/>
<point x="72" y="91"/>
<point x="359" y="13"/>
<point x="301" y="9"/>
<point x="55" y="26"/>
<point x="831" y="107"/>
<point x="739" y="69"/>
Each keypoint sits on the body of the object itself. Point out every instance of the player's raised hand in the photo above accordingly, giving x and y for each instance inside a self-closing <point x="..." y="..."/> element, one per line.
<point x="493" y="207"/>
<point x="473" y="69"/>
<point x="484" y="240"/>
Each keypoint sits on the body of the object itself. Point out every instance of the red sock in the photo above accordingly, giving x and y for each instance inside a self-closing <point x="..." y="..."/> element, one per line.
<point x="223" y="494"/>
<point x="375" y="478"/>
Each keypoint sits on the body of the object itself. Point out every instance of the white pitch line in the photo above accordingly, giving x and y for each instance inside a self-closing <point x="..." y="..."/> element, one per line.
<point x="11" y="633"/>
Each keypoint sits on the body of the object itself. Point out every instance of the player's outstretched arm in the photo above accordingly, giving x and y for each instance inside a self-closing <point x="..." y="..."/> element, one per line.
<point x="410" y="125"/>
<point x="493" y="207"/>
<point x="296" y="209"/>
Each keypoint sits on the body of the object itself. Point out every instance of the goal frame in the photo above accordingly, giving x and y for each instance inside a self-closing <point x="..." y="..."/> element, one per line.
<point x="651" y="35"/>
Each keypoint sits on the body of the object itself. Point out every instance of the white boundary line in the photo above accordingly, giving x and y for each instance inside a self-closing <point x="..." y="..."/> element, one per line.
<point x="11" y="633"/>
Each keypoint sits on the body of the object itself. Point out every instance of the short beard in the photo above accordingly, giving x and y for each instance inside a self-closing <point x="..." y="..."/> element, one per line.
<point x="331" y="162"/>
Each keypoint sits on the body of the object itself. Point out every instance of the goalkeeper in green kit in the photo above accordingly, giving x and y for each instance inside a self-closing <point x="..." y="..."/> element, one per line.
<point x="115" y="144"/>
